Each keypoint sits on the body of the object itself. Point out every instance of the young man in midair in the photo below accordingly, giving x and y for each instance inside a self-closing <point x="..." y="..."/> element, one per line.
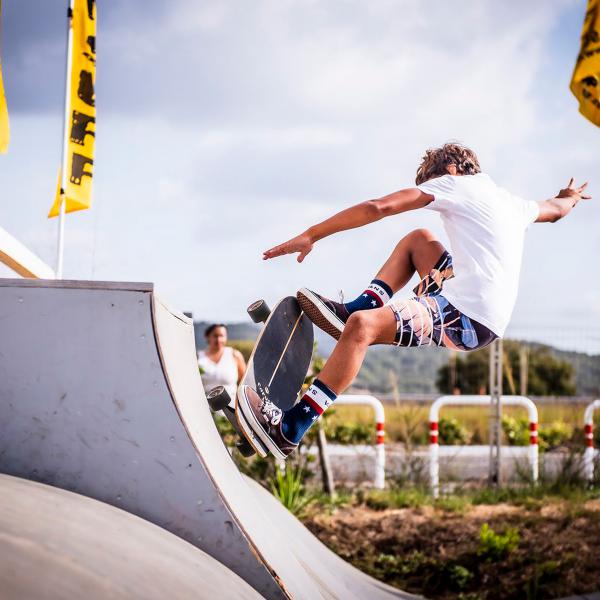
<point x="464" y="301"/>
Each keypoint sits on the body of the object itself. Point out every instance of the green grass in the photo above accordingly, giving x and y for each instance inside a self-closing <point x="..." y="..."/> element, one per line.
<point x="529" y="497"/>
<point x="494" y="546"/>
<point x="287" y="486"/>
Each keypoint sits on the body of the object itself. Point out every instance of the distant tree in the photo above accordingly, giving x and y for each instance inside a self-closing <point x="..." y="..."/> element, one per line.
<point x="547" y="374"/>
<point x="472" y="373"/>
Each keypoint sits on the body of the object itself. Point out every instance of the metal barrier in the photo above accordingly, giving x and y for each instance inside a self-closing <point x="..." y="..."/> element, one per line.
<point x="434" y="467"/>
<point x="377" y="406"/>
<point x="588" y="427"/>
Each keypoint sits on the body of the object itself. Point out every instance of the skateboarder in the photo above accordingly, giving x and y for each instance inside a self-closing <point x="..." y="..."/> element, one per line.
<point x="464" y="301"/>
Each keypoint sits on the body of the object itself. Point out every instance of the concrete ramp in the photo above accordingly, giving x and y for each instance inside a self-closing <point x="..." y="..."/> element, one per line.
<point x="57" y="544"/>
<point x="100" y="394"/>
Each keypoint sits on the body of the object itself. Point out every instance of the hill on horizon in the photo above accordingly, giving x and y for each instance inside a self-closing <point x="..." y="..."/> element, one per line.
<point x="388" y="369"/>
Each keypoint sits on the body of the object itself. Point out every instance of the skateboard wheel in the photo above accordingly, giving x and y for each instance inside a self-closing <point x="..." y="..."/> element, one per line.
<point x="244" y="448"/>
<point x="218" y="398"/>
<point x="259" y="311"/>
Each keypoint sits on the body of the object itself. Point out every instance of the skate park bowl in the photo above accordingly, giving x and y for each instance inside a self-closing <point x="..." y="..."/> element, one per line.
<point x="57" y="544"/>
<point x="100" y="395"/>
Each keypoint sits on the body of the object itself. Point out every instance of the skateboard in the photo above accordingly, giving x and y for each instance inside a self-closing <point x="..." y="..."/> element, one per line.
<point x="277" y="367"/>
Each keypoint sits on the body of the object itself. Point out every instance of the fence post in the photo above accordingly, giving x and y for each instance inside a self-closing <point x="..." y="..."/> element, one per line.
<point x="496" y="411"/>
<point x="588" y="427"/>
<point x="534" y="450"/>
<point x="379" y="479"/>
<point x="380" y="454"/>
<point x="434" y="456"/>
<point x="434" y="447"/>
<point x="327" y="477"/>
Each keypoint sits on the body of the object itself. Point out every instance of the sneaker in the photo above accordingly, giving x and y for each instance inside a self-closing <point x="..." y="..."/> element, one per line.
<point x="326" y="314"/>
<point x="264" y="418"/>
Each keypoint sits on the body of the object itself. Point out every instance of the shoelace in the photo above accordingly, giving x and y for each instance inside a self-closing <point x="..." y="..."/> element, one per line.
<point x="272" y="412"/>
<point x="341" y="296"/>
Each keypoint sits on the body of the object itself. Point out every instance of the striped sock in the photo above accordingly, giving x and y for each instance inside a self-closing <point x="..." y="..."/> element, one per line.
<point x="297" y="421"/>
<point x="375" y="296"/>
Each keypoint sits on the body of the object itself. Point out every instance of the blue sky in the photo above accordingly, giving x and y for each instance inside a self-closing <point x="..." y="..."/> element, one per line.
<point x="227" y="127"/>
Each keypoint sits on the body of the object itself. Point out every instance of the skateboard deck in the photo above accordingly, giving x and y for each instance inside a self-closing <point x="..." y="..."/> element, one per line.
<point x="279" y="362"/>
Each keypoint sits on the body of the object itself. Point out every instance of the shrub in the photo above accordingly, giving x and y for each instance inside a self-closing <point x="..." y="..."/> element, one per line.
<point x="553" y="435"/>
<point x="353" y="433"/>
<point x="516" y="431"/>
<point x="394" y="497"/>
<point x="288" y="487"/>
<point x="460" y="576"/>
<point x="452" y="433"/>
<point x="550" y="435"/>
<point x="493" y="546"/>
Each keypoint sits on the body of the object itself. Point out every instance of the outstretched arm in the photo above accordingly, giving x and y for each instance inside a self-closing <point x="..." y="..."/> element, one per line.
<point x="561" y="205"/>
<point x="350" y="218"/>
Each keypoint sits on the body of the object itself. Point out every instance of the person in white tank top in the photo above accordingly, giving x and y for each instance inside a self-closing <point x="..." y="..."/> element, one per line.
<point x="220" y="364"/>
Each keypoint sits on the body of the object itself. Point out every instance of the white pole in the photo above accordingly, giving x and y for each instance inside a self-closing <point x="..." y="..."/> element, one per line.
<point x="63" y="168"/>
<point x="377" y="406"/>
<point x="434" y="417"/>
<point x="588" y="423"/>
<point x="434" y="457"/>
<point x="534" y="451"/>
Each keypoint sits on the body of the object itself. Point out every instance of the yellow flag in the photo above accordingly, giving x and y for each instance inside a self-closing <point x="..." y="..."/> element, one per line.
<point x="4" y="130"/>
<point x="585" y="83"/>
<point x="81" y="111"/>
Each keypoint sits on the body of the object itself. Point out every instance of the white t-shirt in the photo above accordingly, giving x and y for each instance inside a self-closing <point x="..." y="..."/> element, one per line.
<point x="486" y="227"/>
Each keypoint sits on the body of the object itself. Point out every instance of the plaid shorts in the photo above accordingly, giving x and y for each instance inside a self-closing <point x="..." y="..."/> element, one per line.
<point x="429" y="319"/>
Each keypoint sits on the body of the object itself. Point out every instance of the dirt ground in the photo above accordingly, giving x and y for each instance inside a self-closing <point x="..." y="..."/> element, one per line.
<point x="439" y="553"/>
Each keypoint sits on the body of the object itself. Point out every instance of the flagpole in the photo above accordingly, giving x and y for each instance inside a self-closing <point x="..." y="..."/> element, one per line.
<point x="63" y="169"/>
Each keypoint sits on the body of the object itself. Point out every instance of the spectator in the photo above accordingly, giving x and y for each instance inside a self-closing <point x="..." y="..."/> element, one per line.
<point x="220" y="364"/>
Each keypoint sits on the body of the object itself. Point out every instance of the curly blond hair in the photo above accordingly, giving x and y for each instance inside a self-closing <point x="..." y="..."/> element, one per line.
<point x="436" y="161"/>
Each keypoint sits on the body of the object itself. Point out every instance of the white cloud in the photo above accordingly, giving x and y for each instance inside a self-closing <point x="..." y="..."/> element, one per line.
<point x="225" y="128"/>
<point x="275" y="139"/>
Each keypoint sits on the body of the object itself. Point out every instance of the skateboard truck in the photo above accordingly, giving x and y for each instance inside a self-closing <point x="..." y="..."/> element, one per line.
<point x="218" y="400"/>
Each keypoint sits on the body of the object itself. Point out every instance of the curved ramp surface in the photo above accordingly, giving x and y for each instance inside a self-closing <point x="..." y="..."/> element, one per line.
<point x="341" y="578"/>
<point x="100" y="394"/>
<point x="57" y="544"/>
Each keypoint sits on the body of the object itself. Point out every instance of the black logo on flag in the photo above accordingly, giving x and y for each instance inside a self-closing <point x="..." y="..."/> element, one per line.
<point x="85" y="92"/>
<point x="78" y="168"/>
<point x="91" y="55"/>
<point x="79" y="127"/>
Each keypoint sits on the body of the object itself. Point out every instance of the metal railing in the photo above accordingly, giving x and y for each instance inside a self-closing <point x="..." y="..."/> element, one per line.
<point x="377" y="406"/>
<point x="434" y="410"/>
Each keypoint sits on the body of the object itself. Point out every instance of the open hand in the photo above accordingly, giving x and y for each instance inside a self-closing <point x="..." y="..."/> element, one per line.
<point x="301" y="244"/>
<point x="573" y="191"/>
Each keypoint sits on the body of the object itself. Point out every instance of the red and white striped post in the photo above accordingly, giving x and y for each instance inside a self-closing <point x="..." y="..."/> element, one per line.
<point x="588" y="428"/>
<point x="377" y="406"/>
<point x="434" y="445"/>
<point x="534" y="449"/>
<point x="434" y="453"/>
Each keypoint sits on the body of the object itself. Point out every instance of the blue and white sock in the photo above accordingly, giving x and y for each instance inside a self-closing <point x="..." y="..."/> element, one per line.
<point x="297" y="421"/>
<point x="375" y="296"/>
